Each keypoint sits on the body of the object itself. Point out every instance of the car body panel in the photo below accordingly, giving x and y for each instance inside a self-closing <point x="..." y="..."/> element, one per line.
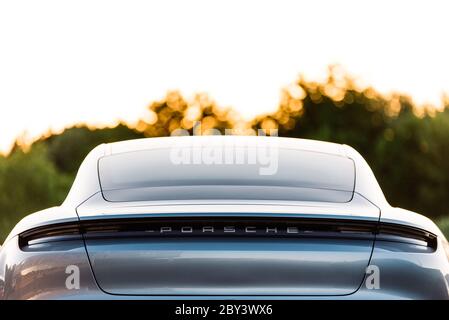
<point x="41" y="271"/>
<point x="213" y="266"/>
<point x="96" y="207"/>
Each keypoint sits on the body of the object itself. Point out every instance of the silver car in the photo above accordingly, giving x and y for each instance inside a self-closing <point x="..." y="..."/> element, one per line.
<point x="224" y="217"/>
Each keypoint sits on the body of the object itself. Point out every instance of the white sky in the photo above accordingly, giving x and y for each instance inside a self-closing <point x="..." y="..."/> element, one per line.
<point x="64" y="62"/>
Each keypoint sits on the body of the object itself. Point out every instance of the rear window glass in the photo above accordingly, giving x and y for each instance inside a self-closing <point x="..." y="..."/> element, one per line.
<point x="281" y="174"/>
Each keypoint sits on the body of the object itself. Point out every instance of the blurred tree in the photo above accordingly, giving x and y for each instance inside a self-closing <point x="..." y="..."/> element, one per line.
<point x="28" y="182"/>
<point x="333" y="111"/>
<point x="412" y="162"/>
<point x="175" y="112"/>
<point x="68" y="149"/>
<point x="406" y="147"/>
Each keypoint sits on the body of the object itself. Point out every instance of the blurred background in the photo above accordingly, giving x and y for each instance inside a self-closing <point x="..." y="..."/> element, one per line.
<point x="371" y="74"/>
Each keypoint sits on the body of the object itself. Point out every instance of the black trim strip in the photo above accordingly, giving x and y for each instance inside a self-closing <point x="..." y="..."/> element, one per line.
<point x="229" y="227"/>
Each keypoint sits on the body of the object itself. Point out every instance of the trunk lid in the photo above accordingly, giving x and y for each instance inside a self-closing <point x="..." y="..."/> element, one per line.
<point x="229" y="249"/>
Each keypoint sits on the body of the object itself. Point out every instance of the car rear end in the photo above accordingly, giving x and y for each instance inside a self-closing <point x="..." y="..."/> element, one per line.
<point x="139" y="223"/>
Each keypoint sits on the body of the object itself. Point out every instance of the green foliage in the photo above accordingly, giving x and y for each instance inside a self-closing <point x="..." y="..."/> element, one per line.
<point x="29" y="182"/>
<point x="68" y="150"/>
<point x="412" y="164"/>
<point x="443" y="224"/>
<point x="408" y="152"/>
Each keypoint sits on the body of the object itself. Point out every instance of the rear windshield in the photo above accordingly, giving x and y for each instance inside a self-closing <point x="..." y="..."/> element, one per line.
<point x="213" y="173"/>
